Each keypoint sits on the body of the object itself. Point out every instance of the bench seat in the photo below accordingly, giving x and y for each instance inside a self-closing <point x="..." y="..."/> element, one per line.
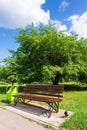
<point x="38" y="98"/>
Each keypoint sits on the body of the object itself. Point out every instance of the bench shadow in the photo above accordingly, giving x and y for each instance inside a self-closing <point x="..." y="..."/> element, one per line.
<point x="31" y="109"/>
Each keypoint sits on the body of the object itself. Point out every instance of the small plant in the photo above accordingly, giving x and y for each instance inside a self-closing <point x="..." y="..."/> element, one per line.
<point x="49" y="126"/>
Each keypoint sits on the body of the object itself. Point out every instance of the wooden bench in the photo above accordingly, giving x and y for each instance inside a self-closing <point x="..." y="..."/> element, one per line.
<point x="50" y="94"/>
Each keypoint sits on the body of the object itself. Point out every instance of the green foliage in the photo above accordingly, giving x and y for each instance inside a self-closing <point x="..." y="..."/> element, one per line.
<point x="42" y="51"/>
<point x="49" y="72"/>
<point x="8" y="71"/>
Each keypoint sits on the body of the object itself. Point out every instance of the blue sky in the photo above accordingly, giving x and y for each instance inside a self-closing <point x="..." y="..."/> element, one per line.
<point x="69" y="15"/>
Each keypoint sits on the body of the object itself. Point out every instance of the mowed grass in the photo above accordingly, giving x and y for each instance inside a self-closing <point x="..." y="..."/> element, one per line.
<point x="75" y="101"/>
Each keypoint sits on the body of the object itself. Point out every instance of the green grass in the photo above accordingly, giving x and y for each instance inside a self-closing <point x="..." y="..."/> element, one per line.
<point x="75" y="101"/>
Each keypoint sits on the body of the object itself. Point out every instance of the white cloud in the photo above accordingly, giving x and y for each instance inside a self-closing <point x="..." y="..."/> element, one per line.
<point x="59" y="25"/>
<point x="79" y="24"/>
<point x="64" y="4"/>
<point x="17" y="13"/>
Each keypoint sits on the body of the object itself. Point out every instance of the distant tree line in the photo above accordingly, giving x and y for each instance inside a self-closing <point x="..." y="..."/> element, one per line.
<point x="46" y="55"/>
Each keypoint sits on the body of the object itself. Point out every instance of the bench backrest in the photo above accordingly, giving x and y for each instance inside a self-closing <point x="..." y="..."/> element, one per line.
<point x="46" y="90"/>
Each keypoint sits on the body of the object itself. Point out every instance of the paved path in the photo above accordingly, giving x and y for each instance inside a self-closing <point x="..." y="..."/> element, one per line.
<point x="13" y="121"/>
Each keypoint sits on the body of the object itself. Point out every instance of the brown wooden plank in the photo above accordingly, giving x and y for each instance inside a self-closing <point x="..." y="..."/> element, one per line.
<point x="38" y="98"/>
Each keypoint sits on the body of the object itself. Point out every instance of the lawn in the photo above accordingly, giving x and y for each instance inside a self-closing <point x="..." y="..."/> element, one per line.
<point x="75" y="101"/>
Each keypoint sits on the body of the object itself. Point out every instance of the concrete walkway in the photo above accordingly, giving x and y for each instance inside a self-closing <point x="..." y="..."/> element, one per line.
<point x="12" y="121"/>
<point x="36" y="114"/>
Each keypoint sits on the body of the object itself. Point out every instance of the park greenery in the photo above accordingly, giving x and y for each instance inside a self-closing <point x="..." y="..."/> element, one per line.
<point x="74" y="101"/>
<point x="42" y="52"/>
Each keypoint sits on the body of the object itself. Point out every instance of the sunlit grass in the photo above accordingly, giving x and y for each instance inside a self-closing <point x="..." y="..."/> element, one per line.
<point x="75" y="101"/>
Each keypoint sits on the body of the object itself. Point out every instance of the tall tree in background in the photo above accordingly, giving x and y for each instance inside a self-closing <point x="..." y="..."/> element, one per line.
<point x="43" y="51"/>
<point x="40" y="48"/>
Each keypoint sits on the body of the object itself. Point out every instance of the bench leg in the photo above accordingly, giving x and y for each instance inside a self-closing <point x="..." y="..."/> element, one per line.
<point x="18" y="100"/>
<point x="15" y="101"/>
<point x="54" y="106"/>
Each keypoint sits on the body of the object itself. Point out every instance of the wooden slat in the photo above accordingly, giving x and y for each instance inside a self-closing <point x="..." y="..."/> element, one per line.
<point x="45" y="88"/>
<point x="38" y="98"/>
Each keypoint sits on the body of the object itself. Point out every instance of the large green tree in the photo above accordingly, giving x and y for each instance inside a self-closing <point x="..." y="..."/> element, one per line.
<point x="40" y="48"/>
<point x="43" y="51"/>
